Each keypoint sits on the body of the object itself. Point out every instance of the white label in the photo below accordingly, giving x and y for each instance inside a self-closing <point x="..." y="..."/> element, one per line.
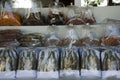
<point x="47" y="75"/>
<point x="26" y="74"/>
<point x="7" y="75"/>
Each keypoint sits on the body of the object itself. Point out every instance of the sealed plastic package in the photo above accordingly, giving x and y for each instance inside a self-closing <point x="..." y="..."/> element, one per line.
<point x="8" y="63"/>
<point x="69" y="67"/>
<point x="110" y="63"/>
<point x="52" y="40"/>
<point x="55" y="15"/>
<point x="10" y="37"/>
<point x="34" y="16"/>
<point x="31" y="40"/>
<point x="8" y="17"/>
<point x="111" y="37"/>
<point x="27" y="63"/>
<point x="90" y="64"/>
<point x="74" y="15"/>
<point x="47" y="68"/>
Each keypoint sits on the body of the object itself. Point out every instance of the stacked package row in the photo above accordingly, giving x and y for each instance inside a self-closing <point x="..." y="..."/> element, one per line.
<point x="60" y="63"/>
<point x="34" y="15"/>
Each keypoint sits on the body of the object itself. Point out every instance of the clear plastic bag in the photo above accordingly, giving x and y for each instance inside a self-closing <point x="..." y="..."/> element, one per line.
<point x="74" y="15"/>
<point x="8" y="63"/>
<point x="52" y="40"/>
<point x="27" y="63"/>
<point x="88" y="16"/>
<point x="32" y="40"/>
<point x="110" y="63"/>
<point x="70" y="39"/>
<point x="9" y="37"/>
<point x="90" y="64"/>
<point x="56" y="16"/>
<point x="34" y="16"/>
<point x="111" y="37"/>
<point x="8" y="17"/>
<point x="69" y="68"/>
<point x="48" y="60"/>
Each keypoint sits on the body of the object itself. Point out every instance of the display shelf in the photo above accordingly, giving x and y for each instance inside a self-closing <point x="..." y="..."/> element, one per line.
<point x="61" y="30"/>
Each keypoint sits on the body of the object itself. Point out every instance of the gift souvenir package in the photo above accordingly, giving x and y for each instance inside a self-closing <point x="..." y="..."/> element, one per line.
<point x="34" y="16"/>
<point x="69" y="64"/>
<point x="8" y="63"/>
<point x="27" y="63"/>
<point x="8" y="17"/>
<point x="110" y="63"/>
<point x="56" y="16"/>
<point x="48" y="67"/>
<point x="90" y="64"/>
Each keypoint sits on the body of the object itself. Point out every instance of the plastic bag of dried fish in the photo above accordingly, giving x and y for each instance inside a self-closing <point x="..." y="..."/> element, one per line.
<point x="48" y="64"/>
<point x="69" y="68"/>
<point x="34" y="15"/>
<point x="90" y="64"/>
<point x="112" y="36"/>
<point x="8" y="63"/>
<point x="71" y="38"/>
<point x="110" y="63"/>
<point x="52" y="40"/>
<point x="27" y="63"/>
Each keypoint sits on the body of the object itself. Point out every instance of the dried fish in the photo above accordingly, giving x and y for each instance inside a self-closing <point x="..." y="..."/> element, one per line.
<point x="27" y="60"/>
<point x="8" y="60"/>
<point x="110" y="60"/>
<point x="69" y="59"/>
<point x="90" y="59"/>
<point x="48" y="60"/>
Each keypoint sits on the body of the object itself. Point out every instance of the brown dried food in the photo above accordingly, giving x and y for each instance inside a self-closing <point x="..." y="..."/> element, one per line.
<point x="110" y="41"/>
<point x="64" y="42"/>
<point x="96" y="42"/>
<point x="10" y="34"/>
<point x="86" y="41"/>
<point x="90" y="21"/>
<point x="32" y="40"/>
<point x="57" y="19"/>
<point x="9" y="31"/>
<point x="79" y="43"/>
<point x="10" y="19"/>
<point x="33" y="19"/>
<point x="76" y="21"/>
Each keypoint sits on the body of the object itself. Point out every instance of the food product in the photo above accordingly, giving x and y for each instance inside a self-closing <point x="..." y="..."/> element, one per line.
<point x="27" y="63"/>
<point x="8" y="36"/>
<point x="88" y="16"/>
<point x="53" y="40"/>
<point x="90" y="63"/>
<point x="32" y="39"/>
<point x="76" y="21"/>
<point x="33" y="19"/>
<point x="8" y="17"/>
<point x="69" y="68"/>
<point x="110" y="63"/>
<point x="70" y="38"/>
<point x="8" y="63"/>
<point x="110" y="41"/>
<point x="111" y="37"/>
<point x="55" y="15"/>
<point x="48" y="60"/>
